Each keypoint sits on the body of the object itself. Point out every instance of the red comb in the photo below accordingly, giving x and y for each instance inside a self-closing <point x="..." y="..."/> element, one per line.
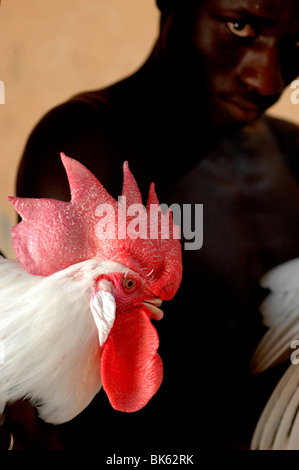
<point x="55" y="234"/>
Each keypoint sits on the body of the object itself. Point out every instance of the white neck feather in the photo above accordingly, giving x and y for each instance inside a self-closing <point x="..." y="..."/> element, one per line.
<point x="50" y="342"/>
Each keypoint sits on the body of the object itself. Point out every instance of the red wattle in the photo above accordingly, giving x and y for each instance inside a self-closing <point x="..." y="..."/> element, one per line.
<point x="131" y="369"/>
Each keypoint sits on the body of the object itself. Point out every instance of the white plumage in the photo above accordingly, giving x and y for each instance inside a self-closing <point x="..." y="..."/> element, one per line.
<point x="49" y="336"/>
<point x="278" y="426"/>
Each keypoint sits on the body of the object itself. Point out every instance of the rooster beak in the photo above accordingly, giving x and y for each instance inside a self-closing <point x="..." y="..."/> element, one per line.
<point x="153" y="305"/>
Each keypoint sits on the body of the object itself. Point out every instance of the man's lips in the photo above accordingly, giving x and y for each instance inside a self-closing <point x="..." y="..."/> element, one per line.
<point x="246" y="108"/>
<point x="243" y="110"/>
<point x="153" y="305"/>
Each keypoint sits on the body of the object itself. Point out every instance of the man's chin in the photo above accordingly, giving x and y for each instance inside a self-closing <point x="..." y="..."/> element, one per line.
<point x="233" y="116"/>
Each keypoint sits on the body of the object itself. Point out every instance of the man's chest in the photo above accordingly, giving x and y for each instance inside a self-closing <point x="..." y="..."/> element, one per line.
<point x="250" y="214"/>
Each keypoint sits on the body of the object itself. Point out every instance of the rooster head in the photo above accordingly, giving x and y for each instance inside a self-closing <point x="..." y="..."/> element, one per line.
<point x="146" y="269"/>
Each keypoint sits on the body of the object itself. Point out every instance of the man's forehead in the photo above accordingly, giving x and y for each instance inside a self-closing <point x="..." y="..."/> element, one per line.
<point x="267" y="8"/>
<point x="267" y="11"/>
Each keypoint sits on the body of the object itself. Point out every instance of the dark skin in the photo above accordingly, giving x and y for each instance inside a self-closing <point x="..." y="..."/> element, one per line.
<point x="191" y="119"/>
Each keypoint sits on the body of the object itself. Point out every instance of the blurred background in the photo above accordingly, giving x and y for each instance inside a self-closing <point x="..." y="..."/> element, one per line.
<point x="52" y="49"/>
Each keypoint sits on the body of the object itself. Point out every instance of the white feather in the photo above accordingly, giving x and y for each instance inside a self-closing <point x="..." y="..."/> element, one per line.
<point x="278" y="426"/>
<point x="49" y="337"/>
<point x="276" y="423"/>
<point x="280" y="312"/>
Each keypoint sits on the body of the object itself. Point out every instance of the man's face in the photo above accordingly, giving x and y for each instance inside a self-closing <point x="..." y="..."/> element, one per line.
<point x="239" y="54"/>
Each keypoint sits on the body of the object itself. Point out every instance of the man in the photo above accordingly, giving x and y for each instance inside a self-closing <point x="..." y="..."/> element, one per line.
<point x="191" y="119"/>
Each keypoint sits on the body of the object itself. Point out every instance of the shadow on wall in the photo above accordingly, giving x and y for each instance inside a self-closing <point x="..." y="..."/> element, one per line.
<point x="5" y="237"/>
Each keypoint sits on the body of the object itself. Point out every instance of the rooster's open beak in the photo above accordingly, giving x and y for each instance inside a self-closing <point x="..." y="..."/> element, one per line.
<point x="153" y="305"/>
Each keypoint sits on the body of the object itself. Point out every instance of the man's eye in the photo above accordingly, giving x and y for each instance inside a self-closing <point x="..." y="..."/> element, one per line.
<point x="240" y="29"/>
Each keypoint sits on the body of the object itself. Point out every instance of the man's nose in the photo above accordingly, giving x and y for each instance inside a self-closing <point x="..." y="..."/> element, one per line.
<point x="261" y="71"/>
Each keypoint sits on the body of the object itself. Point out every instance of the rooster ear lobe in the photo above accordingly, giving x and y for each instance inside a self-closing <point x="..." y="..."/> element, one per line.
<point x="102" y="306"/>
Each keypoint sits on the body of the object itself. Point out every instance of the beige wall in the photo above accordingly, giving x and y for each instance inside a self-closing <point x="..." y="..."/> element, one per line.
<point x="51" y="49"/>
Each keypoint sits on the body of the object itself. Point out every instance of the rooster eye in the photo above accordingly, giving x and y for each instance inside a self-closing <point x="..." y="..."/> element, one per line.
<point x="129" y="283"/>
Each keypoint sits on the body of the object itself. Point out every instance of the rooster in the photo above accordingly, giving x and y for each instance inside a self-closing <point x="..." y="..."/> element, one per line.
<point x="76" y="310"/>
<point x="278" y="426"/>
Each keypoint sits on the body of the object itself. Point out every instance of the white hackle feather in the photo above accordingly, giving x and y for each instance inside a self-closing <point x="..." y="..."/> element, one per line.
<point x="280" y="311"/>
<point x="49" y="338"/>
<point x="278" y="426"/>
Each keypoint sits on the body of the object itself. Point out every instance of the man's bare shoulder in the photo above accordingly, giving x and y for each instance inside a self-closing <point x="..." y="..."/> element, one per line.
<point x="81" y="127"/>
<point x="89" y="106"/>
<point x="286" y="135"/>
